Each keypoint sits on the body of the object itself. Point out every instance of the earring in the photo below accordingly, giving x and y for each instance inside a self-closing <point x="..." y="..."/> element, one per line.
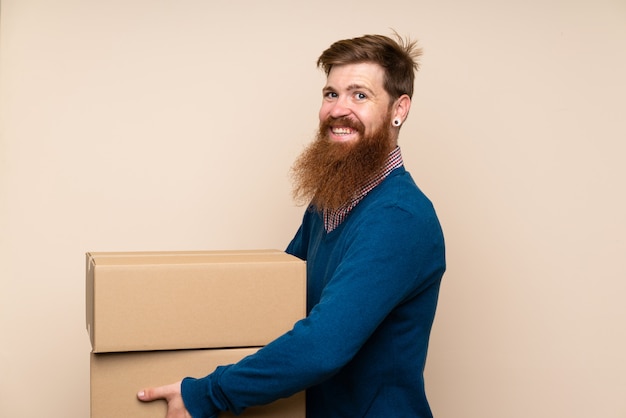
<point x="397" y="122"/>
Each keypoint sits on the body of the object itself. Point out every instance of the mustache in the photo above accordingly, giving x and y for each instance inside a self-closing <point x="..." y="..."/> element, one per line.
<point x="330" y="121"/>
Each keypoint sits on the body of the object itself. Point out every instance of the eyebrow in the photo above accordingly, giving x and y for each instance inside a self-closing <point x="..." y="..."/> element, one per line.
<point x="351" y="87"/>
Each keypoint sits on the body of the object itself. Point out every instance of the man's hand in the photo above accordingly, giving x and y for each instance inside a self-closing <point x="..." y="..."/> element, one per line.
<point x="171" y="394"/>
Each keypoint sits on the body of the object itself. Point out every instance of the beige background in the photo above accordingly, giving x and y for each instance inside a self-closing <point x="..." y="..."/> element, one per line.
<point x="171" y="125"/>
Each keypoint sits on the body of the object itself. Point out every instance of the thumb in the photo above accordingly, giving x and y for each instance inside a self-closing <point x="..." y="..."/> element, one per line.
<point x="161" y="392"/>
<point x="150" y="394"/>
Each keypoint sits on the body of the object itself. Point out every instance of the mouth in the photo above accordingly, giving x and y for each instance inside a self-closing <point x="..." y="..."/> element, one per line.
<point x="342" y="133"/>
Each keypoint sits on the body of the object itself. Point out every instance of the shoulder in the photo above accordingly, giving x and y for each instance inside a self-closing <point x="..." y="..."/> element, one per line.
<point x="396" y="212"/>
<point x="399" y="191"/>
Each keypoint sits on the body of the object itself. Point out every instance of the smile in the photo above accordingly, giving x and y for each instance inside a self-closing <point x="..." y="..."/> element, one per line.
<point x="342" y="131"/>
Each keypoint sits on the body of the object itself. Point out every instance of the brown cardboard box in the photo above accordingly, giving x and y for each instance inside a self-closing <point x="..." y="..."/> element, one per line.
<point x="187" y="300"/>
<point x="117" y="377"/>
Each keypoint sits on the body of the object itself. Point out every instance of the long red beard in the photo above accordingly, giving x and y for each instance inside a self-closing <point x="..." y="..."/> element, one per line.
<point x="330" y="174"/>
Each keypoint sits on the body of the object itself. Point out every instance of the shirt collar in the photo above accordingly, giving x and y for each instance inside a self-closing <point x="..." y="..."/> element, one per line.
<point x="333" y="218"/>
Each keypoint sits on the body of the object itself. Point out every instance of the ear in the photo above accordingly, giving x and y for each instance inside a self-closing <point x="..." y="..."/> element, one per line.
<point x="401" y="108"/>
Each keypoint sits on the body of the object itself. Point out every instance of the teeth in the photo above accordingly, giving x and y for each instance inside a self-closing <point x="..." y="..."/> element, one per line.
<point x="342" y="131"/>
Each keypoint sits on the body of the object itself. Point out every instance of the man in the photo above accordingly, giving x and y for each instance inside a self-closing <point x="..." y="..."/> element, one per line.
<point x="375" y="257"/>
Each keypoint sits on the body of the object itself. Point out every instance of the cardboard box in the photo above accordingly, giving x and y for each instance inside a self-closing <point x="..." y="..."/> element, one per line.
<point x="188" y="300"/>
<point x="117" y="377"/>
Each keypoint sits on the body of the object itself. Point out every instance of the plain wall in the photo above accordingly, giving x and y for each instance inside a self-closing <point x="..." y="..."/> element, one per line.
<point x="172" y="125"/>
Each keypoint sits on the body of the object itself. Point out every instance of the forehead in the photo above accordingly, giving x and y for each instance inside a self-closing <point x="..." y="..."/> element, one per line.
<point x="366" y="74"/>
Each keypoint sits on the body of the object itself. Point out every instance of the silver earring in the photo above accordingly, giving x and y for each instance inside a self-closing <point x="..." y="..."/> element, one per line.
<point x="397" y="122"/>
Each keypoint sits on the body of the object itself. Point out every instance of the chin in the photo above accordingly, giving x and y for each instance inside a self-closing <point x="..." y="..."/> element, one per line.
<point x="344" y="140"/>
<point x="348" y="139"/>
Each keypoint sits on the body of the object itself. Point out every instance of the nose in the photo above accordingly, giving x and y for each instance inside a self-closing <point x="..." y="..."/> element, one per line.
<point x="339" y="108"/>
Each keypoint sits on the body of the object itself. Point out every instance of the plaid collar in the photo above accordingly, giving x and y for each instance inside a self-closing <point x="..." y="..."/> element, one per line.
<point x="333" y="218"/>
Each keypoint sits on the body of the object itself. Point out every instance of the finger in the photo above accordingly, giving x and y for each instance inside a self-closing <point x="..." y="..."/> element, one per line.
<point x="152" y="394"/>
<point x="160" y="392"/>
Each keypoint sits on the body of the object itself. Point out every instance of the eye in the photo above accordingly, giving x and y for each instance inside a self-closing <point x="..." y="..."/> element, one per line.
<point x="330" y="95"/>
<point x="360" y="96"/>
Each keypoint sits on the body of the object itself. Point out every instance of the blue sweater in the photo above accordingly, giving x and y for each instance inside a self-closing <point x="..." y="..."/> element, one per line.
<point x="372" y="289"/>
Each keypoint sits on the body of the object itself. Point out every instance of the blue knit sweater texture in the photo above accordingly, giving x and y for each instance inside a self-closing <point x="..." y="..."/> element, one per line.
<point x="372" y="291"/>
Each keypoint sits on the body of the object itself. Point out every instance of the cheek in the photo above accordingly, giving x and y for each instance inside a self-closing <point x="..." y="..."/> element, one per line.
<point x="376" y="120"/>
<point x="369" y="122"/>
<point x="323" y="113"/>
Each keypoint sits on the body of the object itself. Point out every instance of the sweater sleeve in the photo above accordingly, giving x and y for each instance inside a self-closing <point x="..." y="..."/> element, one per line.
<point x="386" y="257"/>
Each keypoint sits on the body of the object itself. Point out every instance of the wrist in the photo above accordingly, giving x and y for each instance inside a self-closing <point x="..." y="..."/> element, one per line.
<point x="195" y="398"/>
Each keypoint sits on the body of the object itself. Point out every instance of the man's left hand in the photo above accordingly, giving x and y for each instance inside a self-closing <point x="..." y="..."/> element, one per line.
<point x="171" y="394"/>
